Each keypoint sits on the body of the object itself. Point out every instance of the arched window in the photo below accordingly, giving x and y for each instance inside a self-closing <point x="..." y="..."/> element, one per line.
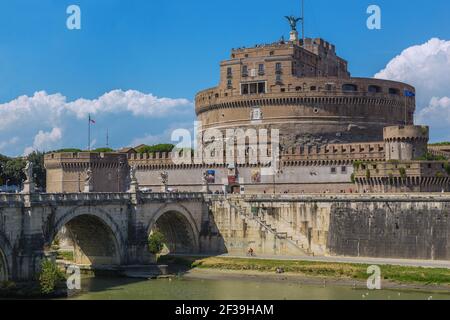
<point x="349" y="87"/>
<point x="394" y="91"/>
<point x="374" y="89"/>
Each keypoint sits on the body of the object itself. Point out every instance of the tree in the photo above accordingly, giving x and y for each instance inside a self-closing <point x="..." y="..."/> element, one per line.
<point x="13" y="171"/>
<point x="103" y="150"/>
<point x="156" y="148"/>
<point x="68" y="150"/>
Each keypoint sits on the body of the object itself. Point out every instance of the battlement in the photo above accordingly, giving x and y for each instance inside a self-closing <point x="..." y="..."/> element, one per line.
<point x="403" y="176"/>
<point x="404" y="133"/>
<point x="320" y="44"/>
<point x="84" y="156"/>
<point x="157" y="156"/>
<point x="351" y="152"/>
<point x="291" y="156"/>
<point x="84" y="160"/>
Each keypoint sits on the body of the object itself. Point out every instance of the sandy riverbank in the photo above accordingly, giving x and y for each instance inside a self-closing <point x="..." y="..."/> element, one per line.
<point x="292" y="278"/>
<point x="312" y="273"/>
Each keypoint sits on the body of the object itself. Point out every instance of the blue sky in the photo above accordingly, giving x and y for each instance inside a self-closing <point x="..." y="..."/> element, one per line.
<point x="171" y="49"/>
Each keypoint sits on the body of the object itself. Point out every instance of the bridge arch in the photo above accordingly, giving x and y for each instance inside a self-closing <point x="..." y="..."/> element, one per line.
<point x="178" y="226"/>
<point x="96" y="237"/>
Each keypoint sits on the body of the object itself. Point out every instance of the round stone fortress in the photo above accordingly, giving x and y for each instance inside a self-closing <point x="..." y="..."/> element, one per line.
<point x="304" y="89"/>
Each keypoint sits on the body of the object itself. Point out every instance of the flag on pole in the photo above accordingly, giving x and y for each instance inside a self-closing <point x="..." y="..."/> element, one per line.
<point x="409" y="93"/>
<point x="91" y="120"/>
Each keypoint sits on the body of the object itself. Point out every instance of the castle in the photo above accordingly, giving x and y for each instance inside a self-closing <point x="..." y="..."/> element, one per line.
<point x="338" y="134"/>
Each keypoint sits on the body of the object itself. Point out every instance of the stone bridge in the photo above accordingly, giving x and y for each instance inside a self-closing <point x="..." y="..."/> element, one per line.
<point x="112" y="229"/>
<point x="104" y="228"/>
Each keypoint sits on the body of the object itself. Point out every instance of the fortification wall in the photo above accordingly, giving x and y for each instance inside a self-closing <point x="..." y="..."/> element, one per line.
<point x="66" y="172"/>
<point x="318" y="179"/>
<point x="380" y="226"/>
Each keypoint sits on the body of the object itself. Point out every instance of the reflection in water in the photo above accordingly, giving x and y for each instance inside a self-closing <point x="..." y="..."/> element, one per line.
<point x="195" y="289"/>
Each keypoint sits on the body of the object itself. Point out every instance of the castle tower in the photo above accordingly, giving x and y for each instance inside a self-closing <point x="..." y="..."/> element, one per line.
<point x="406" y="142"/>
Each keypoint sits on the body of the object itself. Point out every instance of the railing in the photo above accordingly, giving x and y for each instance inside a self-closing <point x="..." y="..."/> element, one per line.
<point x="61" y="197"/>
<point x="338" y="197"/>
<point x="9" y="198"/>
<point x="171" y="196"/>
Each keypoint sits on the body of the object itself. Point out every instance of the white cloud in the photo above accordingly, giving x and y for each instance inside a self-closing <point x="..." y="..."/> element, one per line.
<point x="45" y="141"/>
<point x="45" y="114"/>
<point x="50" y="108"/>
<point x="427" y="68"/>
<point x="437" y="113"/>
<point x="135" y="102"/>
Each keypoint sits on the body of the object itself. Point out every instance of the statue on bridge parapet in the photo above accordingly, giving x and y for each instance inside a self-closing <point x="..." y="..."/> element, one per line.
<point x="205" y="182"/>
<point x="28" y="185"/>
<point x="134" y="186"/>
<point x="88" y="181"/>
<point x="164" y="176"/>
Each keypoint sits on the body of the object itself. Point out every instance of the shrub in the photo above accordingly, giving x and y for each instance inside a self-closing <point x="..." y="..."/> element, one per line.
<point x="402" y="173"/>
<point x="368" y="174"/>
<point x="391" y="177"/>
<point x="156" y="242"/>
<point x="50" y="277"/>
<point x="446" y="143"/>
<point x="447" y="168"/>
<point x="357" y="164"/>
<point x="353" y="178"/>
<point x="431" y="157"/>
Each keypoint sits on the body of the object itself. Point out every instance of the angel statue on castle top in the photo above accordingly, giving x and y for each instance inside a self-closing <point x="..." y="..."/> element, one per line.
<point x="293" y="22"/>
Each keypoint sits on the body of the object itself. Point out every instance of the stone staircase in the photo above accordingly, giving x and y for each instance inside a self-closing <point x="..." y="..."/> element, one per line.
<point x="296" y="241"/>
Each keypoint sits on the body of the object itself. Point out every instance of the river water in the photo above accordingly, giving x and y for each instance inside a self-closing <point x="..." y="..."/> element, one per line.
<point x="253" y="289"/>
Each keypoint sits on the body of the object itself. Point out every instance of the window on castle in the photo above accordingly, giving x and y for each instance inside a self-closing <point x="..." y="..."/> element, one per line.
<point x="394" y="91"/>
<point x="278" y="79"/>
<point x="244" y="71"/>
<point x="313" y="88"/>
<point x="229" y="71"/>
<point x="278" y="67"/>
<point x="244" y="88"/>
<point x="253" y="88"/>
<point x="374" y="89"/>
<point x="333" y="170"/>
<point x="343" y="169"/>
<point x="349" y="87"/>
<point x="261" y="69"/>
<point x="230" y="84"/>
<point x="261" y="87"/>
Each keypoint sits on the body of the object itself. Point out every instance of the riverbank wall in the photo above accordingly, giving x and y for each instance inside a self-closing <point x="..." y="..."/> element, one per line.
<point x="379" y="226"/>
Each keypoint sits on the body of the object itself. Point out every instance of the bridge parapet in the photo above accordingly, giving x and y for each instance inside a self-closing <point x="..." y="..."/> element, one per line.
<point x="428" y="197"/>
<point x="171" y="196"/>
<point x="44" y="198"/>
<point x="11" y="198"/>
